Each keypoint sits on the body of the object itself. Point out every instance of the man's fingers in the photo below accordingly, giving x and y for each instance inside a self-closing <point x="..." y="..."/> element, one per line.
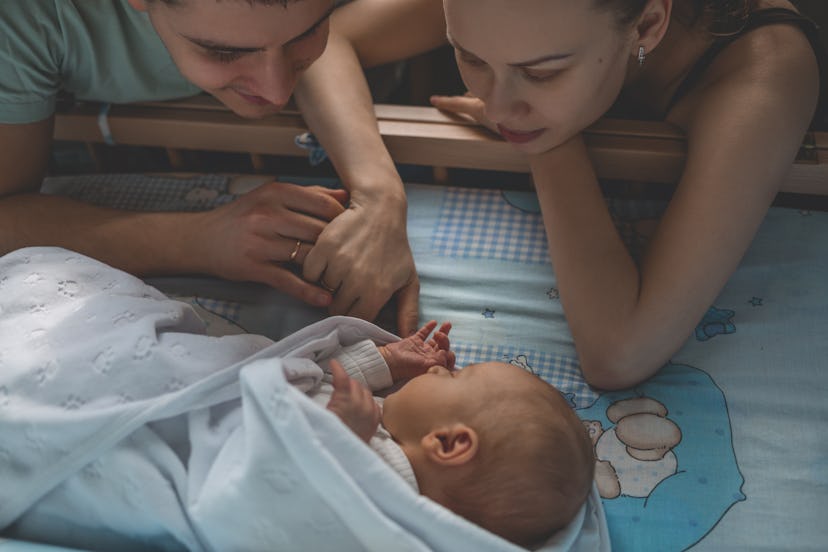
<point x="291" y="284"/>
<point x="317" y="202"/>
<point x="339" y="194"/>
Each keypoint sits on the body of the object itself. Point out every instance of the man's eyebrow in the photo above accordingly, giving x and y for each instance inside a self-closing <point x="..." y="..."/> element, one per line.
<point x="530" y="63"/>
<point x="217" y="46"/>
<point x="210" y="45"/>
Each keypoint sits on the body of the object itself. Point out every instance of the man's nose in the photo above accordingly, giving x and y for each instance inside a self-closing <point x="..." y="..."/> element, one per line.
<point x="276" y="78"/>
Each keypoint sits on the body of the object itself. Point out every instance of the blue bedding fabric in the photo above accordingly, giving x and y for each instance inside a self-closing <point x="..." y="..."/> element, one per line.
<point x="740" y="409"/>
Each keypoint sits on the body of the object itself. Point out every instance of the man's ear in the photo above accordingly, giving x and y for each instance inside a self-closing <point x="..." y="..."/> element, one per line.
<point x="139" y="5"/>
<point x="452" y="445"/>
<point x="652" y="25"/>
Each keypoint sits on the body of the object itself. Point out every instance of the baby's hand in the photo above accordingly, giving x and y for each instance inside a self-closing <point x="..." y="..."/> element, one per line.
<point x="353" y="403"/>
<point x="415" y="354"/>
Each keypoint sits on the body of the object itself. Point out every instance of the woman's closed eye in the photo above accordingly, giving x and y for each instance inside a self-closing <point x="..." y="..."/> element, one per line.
<point x="470" y="60"/>
<point x="539" y="75"/>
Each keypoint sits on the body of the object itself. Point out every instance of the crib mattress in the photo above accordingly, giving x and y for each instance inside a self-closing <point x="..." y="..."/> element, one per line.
<point x="742" y="406"/>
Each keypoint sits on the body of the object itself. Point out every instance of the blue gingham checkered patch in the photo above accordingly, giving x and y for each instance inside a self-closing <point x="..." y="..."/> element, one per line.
<point x="137" y="192"/>
<point x="227" y="310"/>
<point x="562" y="371"/>
<point x="481" y="224"/>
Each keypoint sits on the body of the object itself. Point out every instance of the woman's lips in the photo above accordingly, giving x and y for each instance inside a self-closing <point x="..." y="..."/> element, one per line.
<point x="519" y="136"/>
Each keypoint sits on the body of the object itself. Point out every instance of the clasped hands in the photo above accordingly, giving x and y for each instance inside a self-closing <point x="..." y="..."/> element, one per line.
<point x="322" y="246"/>
<point x="354" y="404"/>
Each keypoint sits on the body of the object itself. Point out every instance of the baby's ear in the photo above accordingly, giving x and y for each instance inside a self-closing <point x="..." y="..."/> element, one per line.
<point x="451" y="445"/>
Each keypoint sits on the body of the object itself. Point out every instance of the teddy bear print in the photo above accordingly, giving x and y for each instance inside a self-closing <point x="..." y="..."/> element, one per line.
<point x="635" y="455"/>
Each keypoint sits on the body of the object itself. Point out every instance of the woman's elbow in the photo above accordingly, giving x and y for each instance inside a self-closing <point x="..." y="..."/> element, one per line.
<point x="611" y="368"/>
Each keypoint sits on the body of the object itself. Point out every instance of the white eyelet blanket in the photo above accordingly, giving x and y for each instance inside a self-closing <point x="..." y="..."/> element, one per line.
<point x="125" y="427"/>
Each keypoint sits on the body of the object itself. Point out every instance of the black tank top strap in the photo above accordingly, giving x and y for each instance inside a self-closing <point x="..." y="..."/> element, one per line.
<point x="761" y="18"/>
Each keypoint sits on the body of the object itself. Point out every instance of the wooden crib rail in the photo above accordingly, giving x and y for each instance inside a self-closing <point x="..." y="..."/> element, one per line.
<point x="621" y="149"/>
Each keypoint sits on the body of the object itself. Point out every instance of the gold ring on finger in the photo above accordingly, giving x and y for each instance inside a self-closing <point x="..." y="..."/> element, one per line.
<point x="295" y="251"/>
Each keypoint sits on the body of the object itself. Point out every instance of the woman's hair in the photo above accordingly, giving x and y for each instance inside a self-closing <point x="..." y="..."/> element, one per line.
<point x="719" y="17"/>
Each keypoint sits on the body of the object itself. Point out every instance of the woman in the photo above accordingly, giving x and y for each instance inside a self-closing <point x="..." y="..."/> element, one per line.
<point x="250" y="56"/>
<point x="740" y="78"/>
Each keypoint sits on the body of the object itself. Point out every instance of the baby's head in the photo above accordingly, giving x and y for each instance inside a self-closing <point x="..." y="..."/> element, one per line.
<point x="496" y="445"/>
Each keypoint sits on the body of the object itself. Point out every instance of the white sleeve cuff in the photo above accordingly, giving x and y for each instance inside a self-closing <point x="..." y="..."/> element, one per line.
<point x="363" y="362"/>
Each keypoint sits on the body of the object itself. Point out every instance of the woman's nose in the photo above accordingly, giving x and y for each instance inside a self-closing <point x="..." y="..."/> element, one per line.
<point x="502" y="104"/>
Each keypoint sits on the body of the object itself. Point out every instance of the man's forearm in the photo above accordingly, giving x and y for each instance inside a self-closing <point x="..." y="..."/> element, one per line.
<point x="139" y="243"/>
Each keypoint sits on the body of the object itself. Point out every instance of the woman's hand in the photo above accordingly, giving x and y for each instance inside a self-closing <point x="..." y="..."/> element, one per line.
<point x="265" y="236"/>
<point x="414" y="355"/>
<point x="353" y="403"/>
<point x="467" y="106"/>
<point x="363" y="258"/>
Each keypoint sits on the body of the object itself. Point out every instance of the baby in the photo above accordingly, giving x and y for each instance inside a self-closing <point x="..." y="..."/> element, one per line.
<point x="491" y="442"/>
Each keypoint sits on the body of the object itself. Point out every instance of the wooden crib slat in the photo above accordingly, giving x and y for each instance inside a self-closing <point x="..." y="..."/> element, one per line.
<point x="620" y="149"/>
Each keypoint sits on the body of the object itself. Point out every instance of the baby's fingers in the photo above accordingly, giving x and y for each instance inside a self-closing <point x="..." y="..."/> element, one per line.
<point x="427" y="328"/>
<point x="341" y="382"/>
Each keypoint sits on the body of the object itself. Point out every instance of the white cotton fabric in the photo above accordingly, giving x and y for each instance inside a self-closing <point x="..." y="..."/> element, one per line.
<point x="98" y="373"/>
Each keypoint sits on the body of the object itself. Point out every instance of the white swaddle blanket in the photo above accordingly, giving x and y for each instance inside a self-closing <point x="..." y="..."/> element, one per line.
<point x="123" y="427"/>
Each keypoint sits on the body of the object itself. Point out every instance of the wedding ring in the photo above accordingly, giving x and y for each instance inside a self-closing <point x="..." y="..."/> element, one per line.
<point x="295" y="250"/>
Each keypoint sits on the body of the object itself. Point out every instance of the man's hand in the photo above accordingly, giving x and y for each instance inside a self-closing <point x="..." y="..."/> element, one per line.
<point x="353" y="403"/>
<point x="414" y="355"/>
<point x="265" y="236"/>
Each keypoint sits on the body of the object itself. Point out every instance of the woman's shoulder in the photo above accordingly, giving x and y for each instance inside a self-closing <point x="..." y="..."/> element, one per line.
<point x="770" y="63"/>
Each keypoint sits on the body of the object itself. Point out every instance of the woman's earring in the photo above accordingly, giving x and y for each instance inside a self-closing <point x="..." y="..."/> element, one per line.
<point x="641" y="55"/>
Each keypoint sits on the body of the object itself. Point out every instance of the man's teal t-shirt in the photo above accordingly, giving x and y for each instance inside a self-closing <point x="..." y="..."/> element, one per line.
<point x="97" y="50"/>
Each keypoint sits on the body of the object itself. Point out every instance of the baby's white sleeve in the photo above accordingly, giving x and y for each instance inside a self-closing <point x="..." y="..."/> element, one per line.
<point x="363" y="362"/>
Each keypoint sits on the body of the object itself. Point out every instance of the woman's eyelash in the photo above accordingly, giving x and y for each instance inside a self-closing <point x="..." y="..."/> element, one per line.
<point x="540" y="77"/>
<point x="529" y="76"/>
<point x="473" y="61"/>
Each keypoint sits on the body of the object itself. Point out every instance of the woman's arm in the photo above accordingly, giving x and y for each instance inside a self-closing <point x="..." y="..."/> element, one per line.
<point x="364" y="252"/>
<point x="743" y="131"/>
<point x="384" y="31"/>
